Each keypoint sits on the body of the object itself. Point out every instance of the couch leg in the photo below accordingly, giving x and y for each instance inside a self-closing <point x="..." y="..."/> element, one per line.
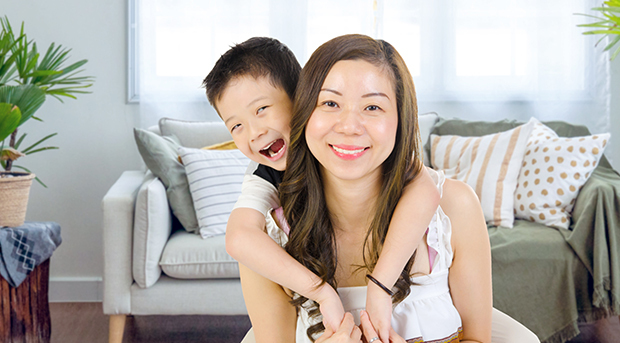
<point x="117" y="328"/>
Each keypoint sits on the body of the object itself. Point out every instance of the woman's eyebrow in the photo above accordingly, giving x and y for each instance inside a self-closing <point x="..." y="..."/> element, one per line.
<point x="375" y="94"/>
<point x="331" y="90"/>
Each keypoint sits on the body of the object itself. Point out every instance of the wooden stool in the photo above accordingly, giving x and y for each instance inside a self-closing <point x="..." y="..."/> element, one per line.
<point x="24" y="311"/>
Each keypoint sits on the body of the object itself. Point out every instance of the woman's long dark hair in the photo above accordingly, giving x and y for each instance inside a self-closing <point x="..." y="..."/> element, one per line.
<point x="312" y="238"/>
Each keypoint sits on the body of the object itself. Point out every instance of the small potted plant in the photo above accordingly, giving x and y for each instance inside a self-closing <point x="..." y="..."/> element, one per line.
<point x="26" y="79"/>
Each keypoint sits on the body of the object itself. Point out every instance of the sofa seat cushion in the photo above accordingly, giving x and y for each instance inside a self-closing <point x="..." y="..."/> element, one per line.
<point x="188" y="256"/>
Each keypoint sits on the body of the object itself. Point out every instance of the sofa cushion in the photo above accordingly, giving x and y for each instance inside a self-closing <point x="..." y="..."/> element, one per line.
<point x="489" y="164"/>
<point x="554" y="170"/>
<point x="151" y="230"/>
<point x="187" y="256"/>
<point x="195" y="134"/>
<point x="160" y="156"/>
<point x="215" y="178"/>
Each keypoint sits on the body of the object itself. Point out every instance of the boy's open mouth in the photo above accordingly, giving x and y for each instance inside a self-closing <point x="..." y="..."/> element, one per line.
<point x="273" y="149"/>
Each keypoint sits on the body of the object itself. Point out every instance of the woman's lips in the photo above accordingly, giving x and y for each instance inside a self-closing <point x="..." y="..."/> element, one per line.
<point x="348" y="152"/>
<point x="275" y="150"/>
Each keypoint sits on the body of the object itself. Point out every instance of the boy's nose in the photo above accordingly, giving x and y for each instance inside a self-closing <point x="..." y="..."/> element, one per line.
<point x="256" y="130"/>
<point x="349" y="122"/>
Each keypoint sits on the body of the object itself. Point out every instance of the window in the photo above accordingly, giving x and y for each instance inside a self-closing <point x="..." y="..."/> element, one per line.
<point x="528" y="58"/>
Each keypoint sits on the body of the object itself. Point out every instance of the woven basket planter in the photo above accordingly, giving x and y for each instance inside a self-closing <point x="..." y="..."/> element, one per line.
<point x="14" y="193"/>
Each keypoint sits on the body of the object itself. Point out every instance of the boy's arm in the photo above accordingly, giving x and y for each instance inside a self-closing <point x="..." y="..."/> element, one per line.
<point x="411" y="217"/>
<point x="247" y="242"/>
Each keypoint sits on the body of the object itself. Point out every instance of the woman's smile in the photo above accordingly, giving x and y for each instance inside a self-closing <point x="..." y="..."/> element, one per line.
<point x="348" y="152"/>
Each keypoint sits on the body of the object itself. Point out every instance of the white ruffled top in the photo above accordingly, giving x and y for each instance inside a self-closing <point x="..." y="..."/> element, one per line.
<point x="428" y="313"/>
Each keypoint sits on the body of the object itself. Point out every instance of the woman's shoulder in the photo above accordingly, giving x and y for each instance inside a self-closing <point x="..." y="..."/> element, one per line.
<point x="458" y="198"/>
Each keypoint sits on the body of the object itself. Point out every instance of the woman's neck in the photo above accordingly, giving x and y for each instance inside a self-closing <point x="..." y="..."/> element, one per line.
<point x="351" y="203"/>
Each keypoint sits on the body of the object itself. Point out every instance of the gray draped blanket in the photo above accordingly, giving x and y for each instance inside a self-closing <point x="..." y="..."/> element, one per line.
<point x="24" y="247"/>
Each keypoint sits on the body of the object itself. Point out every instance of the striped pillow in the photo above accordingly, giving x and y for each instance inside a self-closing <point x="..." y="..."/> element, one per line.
<point x="489" y="164"/>
<point x="215" y="178"/>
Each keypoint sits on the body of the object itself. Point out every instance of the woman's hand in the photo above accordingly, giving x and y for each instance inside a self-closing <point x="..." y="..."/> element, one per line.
<point x="370" y="333"/>
<point x="379" y="311"/>
<point x="330" y="307"/>
<point x="347" y="332"/>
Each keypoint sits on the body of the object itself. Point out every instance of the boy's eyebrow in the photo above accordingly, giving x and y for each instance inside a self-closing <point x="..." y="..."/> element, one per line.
<point x="229" y="119"/>
<point x="256" y="100"/>
<point x="375" y="94"/>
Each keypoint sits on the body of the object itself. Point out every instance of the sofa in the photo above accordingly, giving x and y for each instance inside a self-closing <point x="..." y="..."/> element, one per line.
<point x="547" y="278"/>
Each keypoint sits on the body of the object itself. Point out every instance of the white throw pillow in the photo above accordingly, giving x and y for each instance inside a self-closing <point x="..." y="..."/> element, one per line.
<point x="215" y="178"/>
<point x="151" y="230"/>
<point x="554" y="170"/>
<point x="489" y="164"/>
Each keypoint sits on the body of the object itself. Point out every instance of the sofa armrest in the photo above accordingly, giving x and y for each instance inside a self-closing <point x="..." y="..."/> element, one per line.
<point x="118" y="219"/>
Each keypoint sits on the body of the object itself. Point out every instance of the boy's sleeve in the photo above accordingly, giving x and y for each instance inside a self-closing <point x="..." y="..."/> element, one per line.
<point x="257" y="193"/>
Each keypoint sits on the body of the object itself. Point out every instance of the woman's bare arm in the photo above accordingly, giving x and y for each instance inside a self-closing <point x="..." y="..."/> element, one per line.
<point x="470" y="274"/>
<point x="273" y="317"/>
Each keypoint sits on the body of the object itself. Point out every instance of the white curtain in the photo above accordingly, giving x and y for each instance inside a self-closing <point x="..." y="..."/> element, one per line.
<point x="474" y="59"/>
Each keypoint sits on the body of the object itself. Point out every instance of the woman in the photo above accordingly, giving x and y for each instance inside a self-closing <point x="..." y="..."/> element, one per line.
<point x="354" y="147"/>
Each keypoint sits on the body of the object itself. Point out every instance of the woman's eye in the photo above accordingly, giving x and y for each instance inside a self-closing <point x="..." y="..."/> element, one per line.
<point x="232" y="129"/>
<point x="373" y="108"/>
<point x="330" y="104"/>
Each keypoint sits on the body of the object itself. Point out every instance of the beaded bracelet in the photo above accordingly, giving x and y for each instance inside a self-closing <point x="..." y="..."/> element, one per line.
<point x="376" y="282"/>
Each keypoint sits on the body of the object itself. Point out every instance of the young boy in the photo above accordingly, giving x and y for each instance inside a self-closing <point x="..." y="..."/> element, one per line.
<point x="252" y="88"/>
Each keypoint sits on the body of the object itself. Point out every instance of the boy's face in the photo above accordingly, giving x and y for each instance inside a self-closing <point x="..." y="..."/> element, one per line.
<point x="258" y="116"/>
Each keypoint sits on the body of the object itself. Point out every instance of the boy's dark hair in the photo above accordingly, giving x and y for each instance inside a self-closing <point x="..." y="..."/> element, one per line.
<point x="257" y="56"/>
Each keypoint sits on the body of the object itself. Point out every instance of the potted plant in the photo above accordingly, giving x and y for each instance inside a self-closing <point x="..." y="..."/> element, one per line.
<point x="26" y="79"/>
<point x="607" y="25"/>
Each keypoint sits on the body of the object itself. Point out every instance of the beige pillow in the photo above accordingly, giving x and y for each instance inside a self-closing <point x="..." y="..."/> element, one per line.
<point x="489" y="164"/>
<point x="553" y="171"/>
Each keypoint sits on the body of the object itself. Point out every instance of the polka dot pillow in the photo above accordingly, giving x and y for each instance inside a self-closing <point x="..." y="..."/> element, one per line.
<point x="553" y="171"/>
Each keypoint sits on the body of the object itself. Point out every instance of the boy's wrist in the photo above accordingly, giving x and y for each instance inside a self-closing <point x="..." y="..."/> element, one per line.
<point x="324" y="292"/>
<point x="383" y="276"/>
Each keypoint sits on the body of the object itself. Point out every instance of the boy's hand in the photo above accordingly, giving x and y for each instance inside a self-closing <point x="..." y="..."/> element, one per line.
<point x="379" y="311"/>
<point x="330" y="307"/>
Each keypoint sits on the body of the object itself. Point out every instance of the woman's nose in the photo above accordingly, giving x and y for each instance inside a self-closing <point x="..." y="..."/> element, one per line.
<point x="349" y="122"/>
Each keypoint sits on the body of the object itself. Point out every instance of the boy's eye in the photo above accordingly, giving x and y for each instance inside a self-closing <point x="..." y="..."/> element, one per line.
<point x="234" y="127"/>
<point x="261" y="109"/>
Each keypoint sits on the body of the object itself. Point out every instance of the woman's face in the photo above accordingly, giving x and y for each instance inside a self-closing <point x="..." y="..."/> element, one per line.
<point x="353" y="127"/>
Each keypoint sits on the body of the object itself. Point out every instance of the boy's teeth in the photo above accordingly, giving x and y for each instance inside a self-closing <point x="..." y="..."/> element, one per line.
<point x="350" y="152"/>
<point x="272" y="153"/>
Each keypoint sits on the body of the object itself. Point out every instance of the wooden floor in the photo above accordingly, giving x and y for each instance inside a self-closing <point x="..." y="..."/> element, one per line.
<point x="85" y="322"/>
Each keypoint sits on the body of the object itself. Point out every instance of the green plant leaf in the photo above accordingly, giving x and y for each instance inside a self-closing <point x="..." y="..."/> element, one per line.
<point x="43" y="149"/>
<point x="27" y="97"/>
<point x="10" y="116"/>
<point x="20" y="140"/>
<point x="27" y="150"/>
<point x="36" y="177"/>
<point x="612" y="43"/>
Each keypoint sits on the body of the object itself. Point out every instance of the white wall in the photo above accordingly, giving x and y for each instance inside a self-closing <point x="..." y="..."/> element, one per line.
<point x="95" y="133"/>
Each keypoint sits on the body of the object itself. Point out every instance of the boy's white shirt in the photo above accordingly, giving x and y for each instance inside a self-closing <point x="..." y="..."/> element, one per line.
<point x="257" y="193"/>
